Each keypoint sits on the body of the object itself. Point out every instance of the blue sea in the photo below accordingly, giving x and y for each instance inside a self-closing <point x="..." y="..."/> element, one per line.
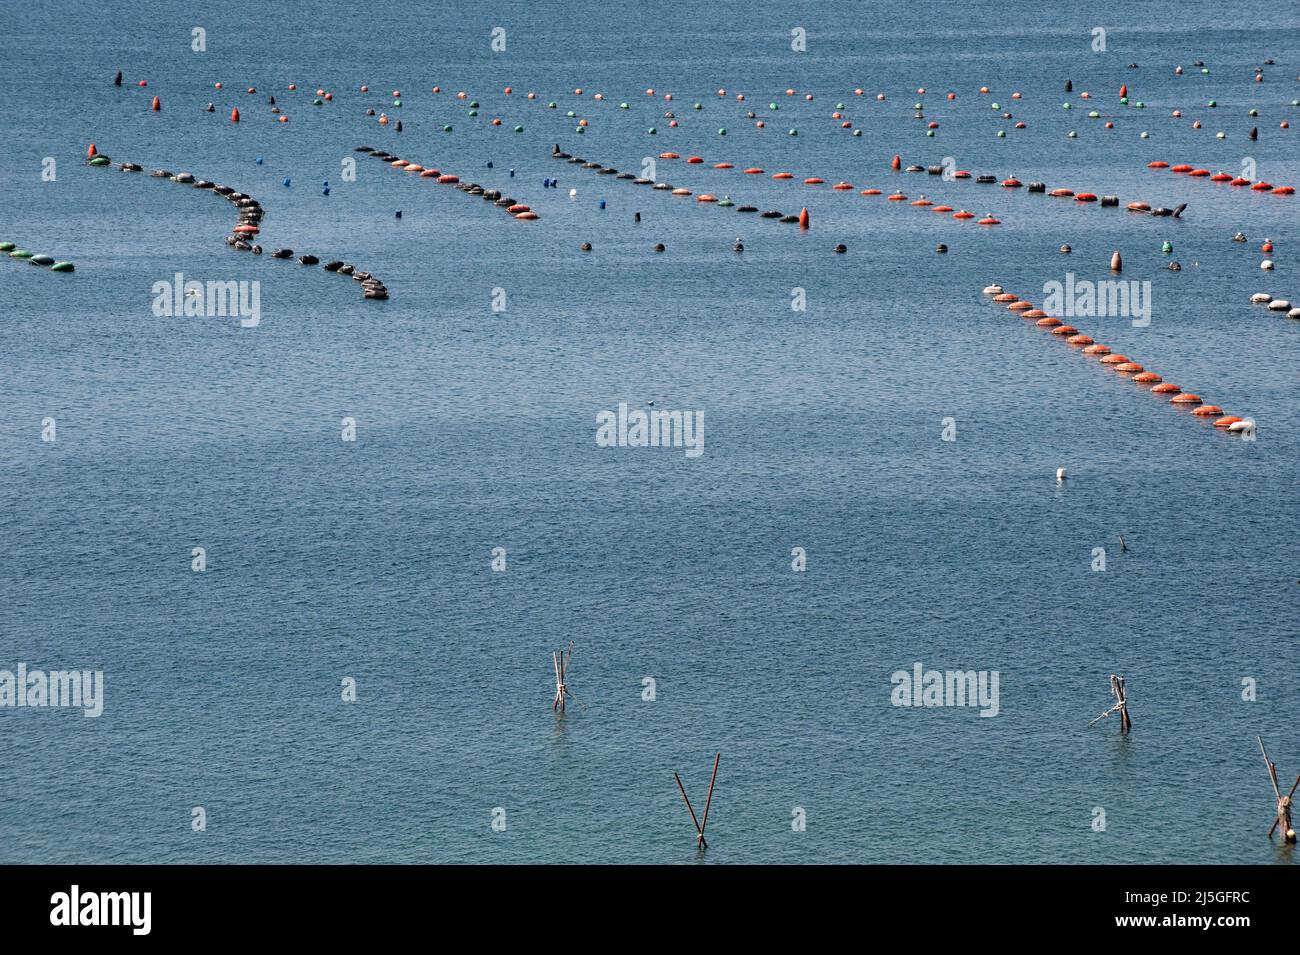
<point x="370" y="562"/>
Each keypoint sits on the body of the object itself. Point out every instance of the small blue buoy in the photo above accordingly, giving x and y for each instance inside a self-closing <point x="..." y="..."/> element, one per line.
<point x="602" y="203"/>
<point x="512" y="174"/>
<point x="286" y="182"/>
<point x="325" y="191"/>
<point x="489" y="165"/>
<point x="399" y="213"/>
<point x="258" y="160"/>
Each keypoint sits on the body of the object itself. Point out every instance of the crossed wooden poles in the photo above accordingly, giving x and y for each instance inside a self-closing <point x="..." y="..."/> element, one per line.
<point x="700" y="824"/>
<point x="1120" y="707"/>
<point x="561" y="662"/>
<point x="1283" y="802"/>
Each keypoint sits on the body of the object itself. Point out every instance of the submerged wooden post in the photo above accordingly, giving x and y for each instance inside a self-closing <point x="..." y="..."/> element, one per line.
<point x="561" y="663"/>
<point x="699" y="826"/>
<point x="1120" y="707"/>
<point x="1283" y="818"/>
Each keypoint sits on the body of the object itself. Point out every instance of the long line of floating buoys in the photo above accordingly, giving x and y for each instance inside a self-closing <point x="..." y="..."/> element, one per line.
<point x="1240" y="182"/>
<point x="1275" y="304"/>
<point x="802" y="219"/>
<point x="249" y="217"/>
<point x="1117" y="362"/>
<point x="512" y="207"/>
<point x="36" y="258"/>
<point x="920" y="203"/>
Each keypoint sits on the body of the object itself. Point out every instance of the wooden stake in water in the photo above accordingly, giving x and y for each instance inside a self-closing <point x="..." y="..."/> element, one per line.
<point x="1120" y="707"/>
<point x="699" y="826"/>
<point x="561" y="662"/>
<point x="1283" y="802"/>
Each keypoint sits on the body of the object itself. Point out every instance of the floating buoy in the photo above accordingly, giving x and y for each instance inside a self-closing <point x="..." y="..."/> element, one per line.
<point x="234" y="115"/>
<point x="1116" y="262"/>
<point x="803" y="218"/>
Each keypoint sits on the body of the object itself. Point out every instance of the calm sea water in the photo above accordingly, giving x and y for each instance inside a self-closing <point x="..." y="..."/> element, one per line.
<point x="475" y="430"/>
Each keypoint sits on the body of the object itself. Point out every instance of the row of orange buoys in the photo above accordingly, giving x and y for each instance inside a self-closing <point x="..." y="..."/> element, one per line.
<point x="841" y="186"/>
<point x="512" y="207"/>
<point x="1120" y="363"/>
<point x="1240" y="182"/>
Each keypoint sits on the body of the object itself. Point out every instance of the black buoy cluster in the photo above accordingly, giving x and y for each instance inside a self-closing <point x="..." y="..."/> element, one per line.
<point x="249" y="216"/>
<point x="513" y="207"/>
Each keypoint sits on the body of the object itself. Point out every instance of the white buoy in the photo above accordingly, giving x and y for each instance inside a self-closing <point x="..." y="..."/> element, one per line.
<point x="1267" y="265"/>
<point x="993" y="290"/>
<point x="1060" y="475"/>
<point x="1261" y="298"/>
<point x="573" y="193"/>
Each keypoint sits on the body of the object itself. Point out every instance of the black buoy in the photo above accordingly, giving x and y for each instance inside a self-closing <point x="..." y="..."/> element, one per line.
<point x="1069" y="86"/>
<point x="941" y="248"/>
<point x="398" y="214"/>
<point x="117" y="80"/>
<point x="1254" y="132"/>
<point x="399" y="125"/>
<point x="841" y="248"/>
<point x="1065" y="250"/>
<point x="586" y="247"/>
<point x="636" y="217"/>
<point x="659" y="246"/>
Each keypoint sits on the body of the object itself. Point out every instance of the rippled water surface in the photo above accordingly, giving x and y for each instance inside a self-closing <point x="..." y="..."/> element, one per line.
<point x="475" y="430"/>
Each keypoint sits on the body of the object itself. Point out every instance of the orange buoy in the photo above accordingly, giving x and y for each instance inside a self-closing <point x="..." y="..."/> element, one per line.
<point x="1158" y="164"/>
<point x="1030" y="313"/>
<point x="1020" y="306"/>
<point x="1079" y="340"/>
<point x="706" y="198"/>
<point x="813" y="181"/>
<point x="1004" y="297"/>
<point x="1166" y="388"/>
<point x="842" y="186"/>
<point x="1227" y="420"/>
<point x="963" y="214"/>
<point x="91" y="151"/>
<point x="753" y="171"/>
<point x="694" y="160"/>
<point x="803" y="218"/>
<point x="870" y="192"/>
<point x="989" y="220"/>
<point x="1048" y="322"/>
<point x="1187" y="398"/>
<point x="1012" y="183"/>
<point x="1064" y="330"/>
<point x="517" y="208"/>
<point x="430" y="174"/>
<point x="922" y="202"/>
<point x="1284" y="191"/>
<point x="1123" y="91"/>
<point x="1097" y="349"/>
<point x="1138" y="207"/>
<point x="1206" y="411"/>
<point x="448" y="178"/>
<point x="669" y="156"/>
<point x="680" y="191"/>
<point x="527" y="215"/>
<point x="1129" y="366"/>
<point x="1061" y="193"/>
<point x="1114" y="359"/>
<point x="1199" y="173"/>
<point x="723" y="165"/>
<point x="896" y="163"/>
<point x="897" y="197"/>
<point x="157" y="105"/>
<point x="234" y="115"/>
<point x="1181" y="167"/>
<point x="942" y="209"/>
<point x="1148" y="378"/>
<point x="782" y="175"/>
<point x="1085" y="197"/>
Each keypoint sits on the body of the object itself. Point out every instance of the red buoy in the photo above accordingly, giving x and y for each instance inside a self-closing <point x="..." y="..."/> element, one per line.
<point x="803" y="218"/>
<point x="92" y="152"/>
<point x="897" y="164"/>
<point x="157" y="104"/>
<point x="234" y="115"/>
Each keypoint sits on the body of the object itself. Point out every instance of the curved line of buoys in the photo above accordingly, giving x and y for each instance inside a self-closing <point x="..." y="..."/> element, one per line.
<point x="48" y="262"/>
<point x="249" y="217"/>
<point x="1120" y="363"/>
